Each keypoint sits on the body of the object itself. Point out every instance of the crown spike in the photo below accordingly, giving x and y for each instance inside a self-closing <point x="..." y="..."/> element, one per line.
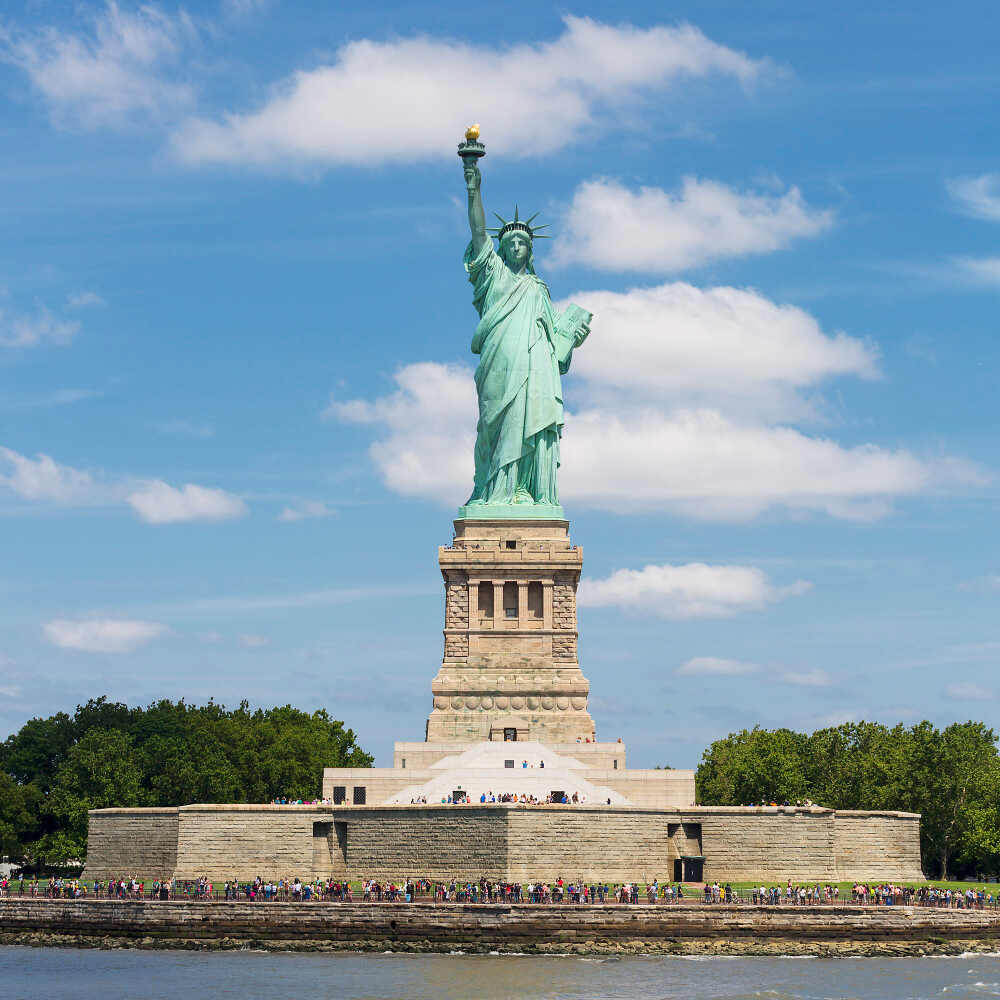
<point x="517" y="224"/>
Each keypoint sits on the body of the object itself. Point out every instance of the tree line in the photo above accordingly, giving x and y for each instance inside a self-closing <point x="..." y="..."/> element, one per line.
<point x="950" y="776"/>
<point x="170" y="753"/>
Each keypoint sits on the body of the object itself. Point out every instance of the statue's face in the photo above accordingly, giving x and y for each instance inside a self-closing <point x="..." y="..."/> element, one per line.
<point x="516" y="250"/>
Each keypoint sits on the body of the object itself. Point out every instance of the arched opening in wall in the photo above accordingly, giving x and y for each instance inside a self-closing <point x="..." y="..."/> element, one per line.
<point x="535" y="600"/>
<point x="510" y="600"/>
<point x="486" y="599"/>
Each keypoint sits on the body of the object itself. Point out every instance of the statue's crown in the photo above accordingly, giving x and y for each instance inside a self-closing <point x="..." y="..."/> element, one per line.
<point x="518" y="225"/>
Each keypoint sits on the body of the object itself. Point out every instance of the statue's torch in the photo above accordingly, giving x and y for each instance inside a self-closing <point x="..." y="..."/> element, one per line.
<point x="471" y="149"/>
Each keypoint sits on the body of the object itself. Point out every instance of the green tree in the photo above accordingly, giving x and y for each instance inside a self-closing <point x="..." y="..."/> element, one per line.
<point x="99" y="771"/>
<point x="20" y="807"/>
<point x="951" y="777"/>
<point x="857" y="765"/>
<point x="36" y="751"/>
<point x="948" y="780"/>
<point x="170" y="753"/>
<point x="752" y="766"/>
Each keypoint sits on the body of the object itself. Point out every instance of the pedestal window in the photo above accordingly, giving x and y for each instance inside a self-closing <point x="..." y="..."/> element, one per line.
<point x="510" y="600"/>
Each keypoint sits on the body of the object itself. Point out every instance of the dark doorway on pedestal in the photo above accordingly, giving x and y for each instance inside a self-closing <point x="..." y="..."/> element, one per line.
<point x="690" y="869"/>
<point x="510" y="735"/>
<point x="557" y="795"/>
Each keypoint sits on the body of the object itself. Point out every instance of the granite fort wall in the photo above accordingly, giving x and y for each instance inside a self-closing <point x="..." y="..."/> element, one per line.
<point x="779" y="843"/>
<point x="524" y="842"/>
<point x="427" y="927"/>
<point x="771" y="844"/>
<point x="132" y="842"/>
<point x="608" y="845"/>
<point x="881" y="844"/>
<point x="439" y="842"/>
<point x="221" y="841"/>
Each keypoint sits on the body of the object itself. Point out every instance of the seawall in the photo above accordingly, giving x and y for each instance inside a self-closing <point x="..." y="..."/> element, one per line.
<point x="565" y="928"/>
<point x="503" y="842"/>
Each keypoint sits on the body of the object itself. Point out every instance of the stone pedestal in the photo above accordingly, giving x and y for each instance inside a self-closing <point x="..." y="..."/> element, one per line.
<point x="510" y="664"/>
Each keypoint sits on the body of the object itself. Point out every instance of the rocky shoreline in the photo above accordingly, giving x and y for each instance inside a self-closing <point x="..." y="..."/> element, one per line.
<point x="826" y="931"/>
<point x="686" y="947"/>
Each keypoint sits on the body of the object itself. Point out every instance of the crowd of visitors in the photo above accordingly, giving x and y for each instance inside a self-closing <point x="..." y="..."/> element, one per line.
<point x="863" y="894"/>
<point x="464" y="798"/>
<point x="484" y="890"/>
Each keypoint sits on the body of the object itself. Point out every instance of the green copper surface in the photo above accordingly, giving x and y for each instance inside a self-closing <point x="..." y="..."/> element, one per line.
<point x="524" y="346"/>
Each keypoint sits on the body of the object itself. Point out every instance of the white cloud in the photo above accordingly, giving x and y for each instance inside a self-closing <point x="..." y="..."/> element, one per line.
<point x="978" y="196"/>
<point x="10" y="691"/>
<point x="155" y="501"/>
<point x="32" y="331"/>
<point x="409" y="98"/>
<point x="703" y="665"/>
<point x="981" y="270"/>
<point x="114" y="74"/>
<point x="158" y="502"/>
<point x="253" y="641"/>
<point x="85" y="300"/>
<point x="696" y="462"/>
<point x="430" y="421"/>
<point x="694" y="590"/>
<point x="612" y="228"/>
<point x="102" y="635"/>
<point x="42" y="478"/>
<point x="701" y="463"/>
<point x="306" y="509"/>
<point x="807" y="678"/>
<point x="968" y="692"/>
<point x="731" y="348"/>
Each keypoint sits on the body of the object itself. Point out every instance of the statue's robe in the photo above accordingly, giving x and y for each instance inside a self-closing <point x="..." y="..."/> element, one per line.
<point x="524" y="345"/>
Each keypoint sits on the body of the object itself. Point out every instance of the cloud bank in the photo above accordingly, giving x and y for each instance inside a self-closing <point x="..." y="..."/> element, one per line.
<point x="408" y="98"/>
<point x="160" y="503"/>
<point x="700" y="666"/>
<point x="120" y="71"/>
<point x="628" y="459"/>
<point x="154" y="501"/>
<point x="34" y="330"/>
<point x="978" y="196"/>
<point x="684" y="592"/>
<point x="106" y="635"/>
<point x="611" y="228"/>
<point x="729" y="348"/>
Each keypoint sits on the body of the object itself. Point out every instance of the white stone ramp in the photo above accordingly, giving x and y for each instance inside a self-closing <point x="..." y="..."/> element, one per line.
<point x="481" y="770"/>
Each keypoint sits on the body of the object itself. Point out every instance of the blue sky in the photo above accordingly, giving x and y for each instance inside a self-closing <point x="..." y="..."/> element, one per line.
<point x="236" y="408"/>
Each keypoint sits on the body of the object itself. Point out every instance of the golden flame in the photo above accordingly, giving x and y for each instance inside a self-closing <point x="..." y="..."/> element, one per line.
<point x="472" y="133"/>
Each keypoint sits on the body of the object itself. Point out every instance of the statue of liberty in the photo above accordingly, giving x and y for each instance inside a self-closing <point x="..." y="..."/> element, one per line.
<point x="524" y="346"/>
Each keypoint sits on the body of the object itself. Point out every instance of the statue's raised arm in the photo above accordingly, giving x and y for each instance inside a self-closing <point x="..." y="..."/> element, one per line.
<point x="473" y="151"/>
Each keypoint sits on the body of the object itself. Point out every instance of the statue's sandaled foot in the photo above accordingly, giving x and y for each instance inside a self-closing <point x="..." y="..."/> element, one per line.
<point x="523" y="496"/>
